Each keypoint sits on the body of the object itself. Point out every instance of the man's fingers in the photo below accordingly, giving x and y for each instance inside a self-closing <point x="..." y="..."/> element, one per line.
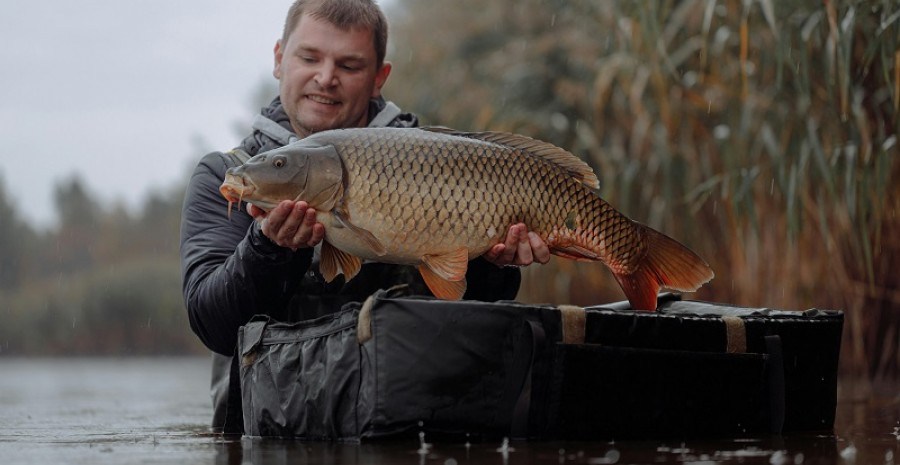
<point x="255" y="211"/>
<point x="293" y="225"/>
<point x="494" y="252"/>
<point x="539" y="248"/>
<point x="318" y="233"/>
<point x="508" y="255"/>
<point x="304" y="231"/>
<point x="524" y="256"/>
<point x="275" y="219"/>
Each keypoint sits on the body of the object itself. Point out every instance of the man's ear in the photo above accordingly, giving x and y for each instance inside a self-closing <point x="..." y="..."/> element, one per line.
<point x="279" y="54"/>
<point x="381" y="77"/>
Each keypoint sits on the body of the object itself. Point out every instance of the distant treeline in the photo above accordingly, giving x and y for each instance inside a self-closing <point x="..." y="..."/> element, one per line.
<point x="102" y="281"/>
<point x="761" y="133"/>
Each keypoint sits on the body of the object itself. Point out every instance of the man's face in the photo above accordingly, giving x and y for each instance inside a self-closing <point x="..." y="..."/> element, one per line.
<point x="327" y="76"/>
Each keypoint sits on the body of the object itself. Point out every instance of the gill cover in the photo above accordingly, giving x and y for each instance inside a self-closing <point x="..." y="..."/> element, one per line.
<point x="325" y="176"/>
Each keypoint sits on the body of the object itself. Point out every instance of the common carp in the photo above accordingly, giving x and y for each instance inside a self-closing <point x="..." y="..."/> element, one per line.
<point x="437" y="198"/>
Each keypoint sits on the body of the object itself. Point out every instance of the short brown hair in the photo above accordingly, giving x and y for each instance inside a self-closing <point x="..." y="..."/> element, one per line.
<point x="344" y="14"/>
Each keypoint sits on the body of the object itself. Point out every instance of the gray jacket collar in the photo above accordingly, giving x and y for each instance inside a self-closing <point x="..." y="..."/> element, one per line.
<point x="277" y="132"/>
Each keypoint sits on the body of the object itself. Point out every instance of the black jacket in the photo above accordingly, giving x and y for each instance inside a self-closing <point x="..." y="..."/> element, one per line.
<point x="231" y="271"/>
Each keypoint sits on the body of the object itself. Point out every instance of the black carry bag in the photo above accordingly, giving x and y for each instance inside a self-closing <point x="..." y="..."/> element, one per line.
<point x="396" y="366"/>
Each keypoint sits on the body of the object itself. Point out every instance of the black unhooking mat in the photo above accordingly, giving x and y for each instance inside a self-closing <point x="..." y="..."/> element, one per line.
<point x="395" y="366"/>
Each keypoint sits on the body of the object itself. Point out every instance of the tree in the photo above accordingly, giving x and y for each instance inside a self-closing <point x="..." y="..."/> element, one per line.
<point x="15" y="235"/>
<point x="79" y="216"/>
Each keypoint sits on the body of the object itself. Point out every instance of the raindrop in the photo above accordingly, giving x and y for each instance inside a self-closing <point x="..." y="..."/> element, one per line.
<point x="612" y="456"/>
<point x="778" y="458"/>
<point x="721" y="132"/>
<point x="559" y="121"/>
<point x="849" y="454"/>
<point x="424" y="447"/>
<point x="504" y="447"/>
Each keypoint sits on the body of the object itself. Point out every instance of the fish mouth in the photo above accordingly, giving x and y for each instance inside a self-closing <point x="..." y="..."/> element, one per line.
<point x="236" y="188"/>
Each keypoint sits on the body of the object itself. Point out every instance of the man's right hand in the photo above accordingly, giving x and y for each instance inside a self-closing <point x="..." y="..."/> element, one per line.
<point x="290" y="224"/>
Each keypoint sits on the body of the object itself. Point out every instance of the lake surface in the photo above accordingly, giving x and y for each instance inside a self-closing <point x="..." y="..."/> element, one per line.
<point x="156" y="411"/>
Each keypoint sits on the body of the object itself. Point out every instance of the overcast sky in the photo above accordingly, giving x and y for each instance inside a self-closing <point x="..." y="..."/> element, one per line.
<point x="119" y="92"/>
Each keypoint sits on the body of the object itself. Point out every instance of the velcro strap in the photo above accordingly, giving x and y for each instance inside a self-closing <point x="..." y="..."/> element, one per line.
<point x="573" y="323"/>
<point x="364" y="321"/>
<point x="735" y="335"/>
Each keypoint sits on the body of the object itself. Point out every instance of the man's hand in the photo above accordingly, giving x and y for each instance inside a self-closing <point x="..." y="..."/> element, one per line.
<point x="522" y="248"/>
<point x="290" y="224"/>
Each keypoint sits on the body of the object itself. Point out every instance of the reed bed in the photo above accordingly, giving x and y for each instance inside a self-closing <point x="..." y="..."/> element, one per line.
<point x="762" y="134"/>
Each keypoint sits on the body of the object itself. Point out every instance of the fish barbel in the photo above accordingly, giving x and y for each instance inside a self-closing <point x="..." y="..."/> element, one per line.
<point x="437" y="198"/>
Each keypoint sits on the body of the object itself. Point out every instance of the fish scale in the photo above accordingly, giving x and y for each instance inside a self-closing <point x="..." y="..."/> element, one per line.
<point x="437" y="198"/>
<point x="514" y="174"/>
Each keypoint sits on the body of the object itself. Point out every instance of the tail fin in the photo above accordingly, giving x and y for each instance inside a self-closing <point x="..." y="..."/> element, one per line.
<point x="667" y="264"/>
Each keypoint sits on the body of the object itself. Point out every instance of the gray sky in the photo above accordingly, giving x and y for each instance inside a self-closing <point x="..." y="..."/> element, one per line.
<point x="119" y="91"/>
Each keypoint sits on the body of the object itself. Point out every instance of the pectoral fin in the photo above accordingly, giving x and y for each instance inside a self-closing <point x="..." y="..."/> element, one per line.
<point x="364" y="235"/>
<point x="445" y="274"/>
<point x="334" y="261"/>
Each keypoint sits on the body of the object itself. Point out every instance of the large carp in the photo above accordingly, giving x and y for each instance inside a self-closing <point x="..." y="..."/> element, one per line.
<point x="437" y="198"/>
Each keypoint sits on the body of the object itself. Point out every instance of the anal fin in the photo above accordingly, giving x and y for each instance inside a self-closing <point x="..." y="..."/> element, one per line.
<point x="574" y="252"/>
<point x="445" y="274"/>
<point x="451" y="266"/>
<point x="440" y="287"/>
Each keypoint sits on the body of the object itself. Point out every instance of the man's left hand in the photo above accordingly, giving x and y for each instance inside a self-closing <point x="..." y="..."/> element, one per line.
<point x="521" y="248"/>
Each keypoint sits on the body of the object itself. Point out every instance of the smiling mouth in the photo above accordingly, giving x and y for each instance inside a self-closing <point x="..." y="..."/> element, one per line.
<point x="322" y="100"/>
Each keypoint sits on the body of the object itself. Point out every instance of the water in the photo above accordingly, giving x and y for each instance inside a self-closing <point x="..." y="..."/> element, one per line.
<point x="155" y="411"/>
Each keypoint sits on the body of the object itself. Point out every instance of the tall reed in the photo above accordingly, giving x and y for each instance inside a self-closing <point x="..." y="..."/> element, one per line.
<point x="762" y="134"/>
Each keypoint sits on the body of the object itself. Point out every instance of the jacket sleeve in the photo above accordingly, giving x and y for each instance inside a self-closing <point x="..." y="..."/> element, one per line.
<point x="230" y="270"/>
<point x="489" y="283"/>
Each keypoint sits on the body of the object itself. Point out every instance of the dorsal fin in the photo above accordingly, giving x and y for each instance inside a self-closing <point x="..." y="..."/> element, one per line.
<point x="573" y="165"/>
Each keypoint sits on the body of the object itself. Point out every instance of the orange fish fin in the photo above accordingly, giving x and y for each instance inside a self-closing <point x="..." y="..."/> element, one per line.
<point x="667" y="264"/>
<point x="364" y="235"/>
<point x="451" y="266"/>
<point x="574" y="252"/>
<point x="440" y="287"/>
<point x="334" y="261"/>
<point x="573" y="165"/>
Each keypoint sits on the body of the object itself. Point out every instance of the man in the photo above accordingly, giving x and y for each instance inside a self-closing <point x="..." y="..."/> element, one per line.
<point x="330" y="66"/>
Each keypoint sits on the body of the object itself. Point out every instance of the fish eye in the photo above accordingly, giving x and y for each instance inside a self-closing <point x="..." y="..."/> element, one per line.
<point x="278" y="162"/>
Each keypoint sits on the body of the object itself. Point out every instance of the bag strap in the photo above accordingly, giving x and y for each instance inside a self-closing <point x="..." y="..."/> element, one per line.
<point x="236" y="157"/>
<point x="574" y="321"/>
<point x="775" y="368"/>
<point x="519" y="427"/>
<point x="386" y="115"/>
<point x="274" y="130"/>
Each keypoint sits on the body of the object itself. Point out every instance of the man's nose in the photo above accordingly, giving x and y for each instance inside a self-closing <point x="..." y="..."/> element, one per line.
<point x="326" y="76"/>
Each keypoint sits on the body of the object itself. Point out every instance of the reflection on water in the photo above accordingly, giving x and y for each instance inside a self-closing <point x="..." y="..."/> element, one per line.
<point x="127" y="411"/>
